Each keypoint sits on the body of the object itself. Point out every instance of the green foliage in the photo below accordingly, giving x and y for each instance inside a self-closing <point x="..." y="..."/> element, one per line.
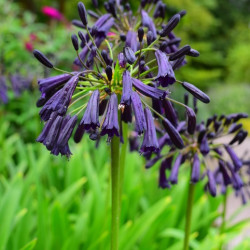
<point x="48" y="202"/>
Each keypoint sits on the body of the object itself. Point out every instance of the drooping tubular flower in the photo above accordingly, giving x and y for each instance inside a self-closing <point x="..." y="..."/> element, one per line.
<point x="206" y="149"/>
<point x="127" y="63"/>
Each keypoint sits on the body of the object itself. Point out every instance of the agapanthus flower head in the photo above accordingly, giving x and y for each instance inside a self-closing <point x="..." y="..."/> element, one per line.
<point x="200" y="148"/>
<point x="126" y="64"/>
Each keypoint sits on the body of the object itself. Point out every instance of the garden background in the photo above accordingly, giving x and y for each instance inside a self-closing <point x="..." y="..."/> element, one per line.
<point x="47" y="202"/>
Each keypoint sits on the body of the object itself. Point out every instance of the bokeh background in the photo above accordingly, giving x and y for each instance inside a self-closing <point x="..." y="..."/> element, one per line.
<point x="51" y="203"/>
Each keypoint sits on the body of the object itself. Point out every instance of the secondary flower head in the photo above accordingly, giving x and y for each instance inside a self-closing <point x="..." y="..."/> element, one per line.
<point x="117" y="81"/>
<point x="202" y="147"/>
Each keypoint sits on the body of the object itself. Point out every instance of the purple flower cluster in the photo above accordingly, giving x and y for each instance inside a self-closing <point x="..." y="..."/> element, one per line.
<point x="203" y="148"/>
<point x="116" y="81"/>
<point x="18" y="85"/>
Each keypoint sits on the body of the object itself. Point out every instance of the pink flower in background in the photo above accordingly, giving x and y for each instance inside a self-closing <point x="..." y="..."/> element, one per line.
<point x="52" y="12"/>
<point x="29" y="46"/>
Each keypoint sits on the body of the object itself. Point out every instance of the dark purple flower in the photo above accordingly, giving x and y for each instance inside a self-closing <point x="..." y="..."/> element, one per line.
<point x="131" y="40"/>
<point x="122" y="60"/>
<point x="236" y="161"/>
<point x="170" y="112"/>
<point x="53" y="82"/>
<point x="148" y="91"/>
<point x="66" y="132"/>
<point x="60" y="100"/>
<point x="211" y="183"/>
<point x="166" y="74"/>
<point x="166" y="164"/>
<point x="150" y="142"/>
<point x="148" y="22"/>
<point x="91" y="115"/>
<point x="129" y="55"/>
<point x="126" y="88"/>
<point x="191" y="120"/>
<point x="204" y="146"/>
<point x="225" y="175"/>
<point x="175" y="170"/>
<point x="195" y="176"/>
<point x="234" y="127"/>
<point x="140" y="122"/>
<point x="111" y="125"/>
<point x="79" y="133"/>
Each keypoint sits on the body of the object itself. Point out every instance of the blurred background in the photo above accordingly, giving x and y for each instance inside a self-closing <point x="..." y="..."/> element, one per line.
<point x="49" y="203"/>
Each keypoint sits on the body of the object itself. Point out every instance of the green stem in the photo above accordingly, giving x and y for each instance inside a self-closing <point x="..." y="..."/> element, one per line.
<point x="115" y="179"/>
<point x="123" y="155"/>
<point x="189" y="215"/>
<point x="223" y="223"/>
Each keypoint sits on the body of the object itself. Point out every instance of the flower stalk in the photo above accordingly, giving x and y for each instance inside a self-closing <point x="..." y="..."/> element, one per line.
<point x="115" y="190"/>
<point x="190" y="199"/>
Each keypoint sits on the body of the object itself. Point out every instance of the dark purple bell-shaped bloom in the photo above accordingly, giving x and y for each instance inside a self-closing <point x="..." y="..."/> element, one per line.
<point x="236" y="161"/>
<point x="148" y="91"/>
<point x="211" y="183"/>
<point x="204" y="147"/>
<point x="170" y="112"/>
<point x="111" y="125"/>
<point x="163" y="181"/>
<point x="127" y="88"/>
<point x="48" y="84"/>
<point x="175" y="170"/>
<point x="150" y="142"/>
<point x="60" y="100"/>
<point x="66" y="131"/>
<point x="140" y="121"/>
<point x="47" y="127"/>
<point x="131" y="40"/>
<point x="225" y="175"/>
<point x="91" y="115"/>
<point x="195" y="176"/>
<point x="166" y="74"/>
<point x="148" y="22"/>
<point x="122" y="60"/>
<point x="191" y="117"/>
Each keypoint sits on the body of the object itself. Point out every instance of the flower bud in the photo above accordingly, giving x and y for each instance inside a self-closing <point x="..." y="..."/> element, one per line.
<point x="78" y="24"/>
<point x="95" y="3"/>
<point x="211" y="183"/>
<point x="129" y="55"/>
<point x="75" y="43"/>
<point x="173" y="134"/>
<point x="140" y="34"/>
<point x="196" y="92"/>
<point x="195" y="176"/>
<point x="191" y="120"/>
<point x="82" y="13"/>
<point x="182" y="13"/>
<point x="193" y="53"/>
<point x="123" y="37"/>
<point x="178" y="63"/>
<point x="109" y="73"/>
<point x="93" y="14"/>
<point x="234" y="127"/>
<point x="150" y="37"/>
<point x="42" y="58"/>
<point x="82" y="37"/>
<point x="181" y="52"/>
<point x="170" y="25"/>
